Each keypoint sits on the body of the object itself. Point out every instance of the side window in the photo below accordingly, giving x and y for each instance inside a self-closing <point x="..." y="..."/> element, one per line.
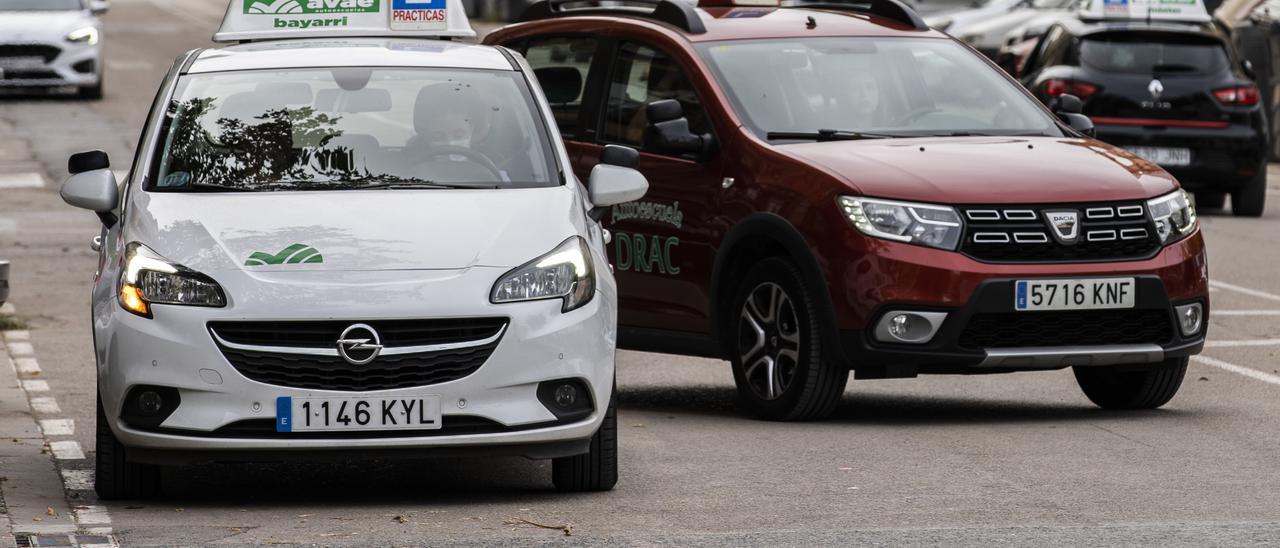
<point x="641" y="75"/>
<point x="561" y="66"/>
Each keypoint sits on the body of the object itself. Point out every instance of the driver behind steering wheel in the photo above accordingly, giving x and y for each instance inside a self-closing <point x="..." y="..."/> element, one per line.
<point x="445" y="119"/>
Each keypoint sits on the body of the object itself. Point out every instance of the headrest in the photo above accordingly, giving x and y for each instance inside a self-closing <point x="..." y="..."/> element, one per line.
<point x="560" y="84"/>
<point x="436" y="99"/>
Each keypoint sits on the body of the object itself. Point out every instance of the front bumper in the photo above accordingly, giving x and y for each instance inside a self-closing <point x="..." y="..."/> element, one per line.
<point x="223" y="415"/>
<point x="1221" y="158"/>
<point x="982" y="332"/>
<point x="70" y="65"/>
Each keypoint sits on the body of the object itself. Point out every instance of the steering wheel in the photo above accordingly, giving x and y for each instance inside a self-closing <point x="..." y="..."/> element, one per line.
<point x="471" y="156"/>
<point x="916" y="114"/>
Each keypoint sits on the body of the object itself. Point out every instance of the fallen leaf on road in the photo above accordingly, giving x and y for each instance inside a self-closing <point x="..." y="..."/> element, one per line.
<point x="566" y="528"/>
<point x="400" y="519"/>
<point x="49" y="511"/>
<point x="1204" y="378"/>
<point x="37" y="519"/>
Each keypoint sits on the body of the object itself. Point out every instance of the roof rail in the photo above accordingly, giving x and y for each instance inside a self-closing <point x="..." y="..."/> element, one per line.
<point x="888" y="9"/>
<point x="674" y="12"/>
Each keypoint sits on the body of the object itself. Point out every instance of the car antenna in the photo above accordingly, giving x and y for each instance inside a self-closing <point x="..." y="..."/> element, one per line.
<point x="811" y="23"/>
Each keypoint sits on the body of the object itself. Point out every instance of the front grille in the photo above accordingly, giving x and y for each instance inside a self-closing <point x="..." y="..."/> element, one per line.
<point x="1021" y="234"/>
<point x="45" y="52"/>
<point x="1067" y="328"/>
<point x="27" y="74"/>
<point x="331" y="372"/>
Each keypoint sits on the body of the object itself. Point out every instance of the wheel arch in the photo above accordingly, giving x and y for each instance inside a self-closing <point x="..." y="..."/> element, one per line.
<point x="758" y="236"/>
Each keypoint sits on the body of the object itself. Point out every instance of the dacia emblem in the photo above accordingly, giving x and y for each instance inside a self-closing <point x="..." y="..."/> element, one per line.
<point x="1064" y="224"/>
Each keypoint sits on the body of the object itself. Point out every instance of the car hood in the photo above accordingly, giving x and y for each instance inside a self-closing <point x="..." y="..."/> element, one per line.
<point x="354" y="230"/>
<point x="988" y="170"/>
<point x="41" y="26"/>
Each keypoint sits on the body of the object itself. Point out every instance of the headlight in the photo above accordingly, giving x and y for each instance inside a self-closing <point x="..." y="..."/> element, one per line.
<point x="87" y="35"/>
<point x="151" y="279"/>
<point x="1173" y="214"/>
<point x="564" y="273"/>
<point x="921" y="224"/>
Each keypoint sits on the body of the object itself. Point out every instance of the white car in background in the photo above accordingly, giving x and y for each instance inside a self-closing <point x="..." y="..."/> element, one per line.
<point x="342" y="247"/>
<point x="987" y="33"/>
<point x="51" y="44"/>
<point x="962" y="16"/>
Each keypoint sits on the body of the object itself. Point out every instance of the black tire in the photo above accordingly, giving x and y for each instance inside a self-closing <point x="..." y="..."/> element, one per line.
<point x="1210" y="200"/>
<point x="1250" y="200"/>
<point x="596" y="470"/>
<point x="800" y="382"/>
<point x="1116" y="388"/>
<point x="117" y="478"/>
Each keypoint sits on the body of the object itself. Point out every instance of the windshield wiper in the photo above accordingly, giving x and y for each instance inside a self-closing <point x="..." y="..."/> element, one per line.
<point x="403" y="185"/>
<point x="826" y="135"/>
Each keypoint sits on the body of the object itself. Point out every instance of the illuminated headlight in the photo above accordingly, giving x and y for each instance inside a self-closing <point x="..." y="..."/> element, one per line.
<point x="1173" y="214"/>
<point x="87" y="35"/>
<point x="564" y="273"/>
<point x="151" y="279"/>
<point x="920" y="224"/>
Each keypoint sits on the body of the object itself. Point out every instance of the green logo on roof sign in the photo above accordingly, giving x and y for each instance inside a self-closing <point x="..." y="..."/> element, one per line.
<point x="309" y="7"/>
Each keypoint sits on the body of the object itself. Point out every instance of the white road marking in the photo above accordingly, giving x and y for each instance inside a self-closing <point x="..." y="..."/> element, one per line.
<point x="20" y="349"/>
<point x="92" y="515"/>
<point x="27" y="366"/>
<point x="35" y="386"/>
<point x="16" y="334"/>
<point x="66" y="450"/>
<point x="1241" y="289"/>
<point x="1247" y="342"/>
<point x="21" y="180"/>
<point x="45" y="405"/>
<point x="58" y="427"/>
<point x="1245" y="313"/>
<point x="1251" y="373"/>
<point x="77" y="480"/>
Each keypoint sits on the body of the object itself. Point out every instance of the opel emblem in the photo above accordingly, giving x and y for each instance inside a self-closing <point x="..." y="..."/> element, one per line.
<point x="359" y="344"/>
<point x="1064" y="224"/>
<point x="1156" y="88"/>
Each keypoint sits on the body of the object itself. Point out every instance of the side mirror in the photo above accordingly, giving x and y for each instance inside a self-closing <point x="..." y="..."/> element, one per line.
<point x="92" y="185"/>
<point x="1069" y="109"/>
<point x="668" y="130"/>
<point x="614" y="180"/>
<point x="99" y="7"/>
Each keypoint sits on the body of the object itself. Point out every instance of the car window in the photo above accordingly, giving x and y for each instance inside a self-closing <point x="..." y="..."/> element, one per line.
<point x="561" y="65"/>
<point x="1151" y="53"/>
<point x="40" y="5"/>
<point x="343" y="128"/>
<point x="893" y="86"/>
<point x="641" y="75"/>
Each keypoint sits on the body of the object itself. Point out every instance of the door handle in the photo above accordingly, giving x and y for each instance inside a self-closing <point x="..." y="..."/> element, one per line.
<point x="96" y="243"/>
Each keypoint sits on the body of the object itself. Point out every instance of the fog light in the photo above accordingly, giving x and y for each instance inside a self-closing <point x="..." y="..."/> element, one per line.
<point x="566" y="395"/>
<point x="150" y="402"/>
<point x="1190" y="318"/>
<point x="909" y="327"/>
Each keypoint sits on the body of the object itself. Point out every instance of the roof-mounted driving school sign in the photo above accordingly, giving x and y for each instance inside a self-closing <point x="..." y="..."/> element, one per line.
<point x="1183" y="11"/>
<point x="252" y="20"/>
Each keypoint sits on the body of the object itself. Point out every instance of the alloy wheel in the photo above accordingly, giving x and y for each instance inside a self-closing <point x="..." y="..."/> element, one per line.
<point x="769" y="340"/>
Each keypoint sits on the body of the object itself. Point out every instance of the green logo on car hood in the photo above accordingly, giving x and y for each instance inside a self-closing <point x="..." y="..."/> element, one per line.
<point x="294" y="254"/>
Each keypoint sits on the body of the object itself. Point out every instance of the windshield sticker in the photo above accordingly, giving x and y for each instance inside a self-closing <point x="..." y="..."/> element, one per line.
<point x="648" y="211"/>
<point x="644" y="253"/>
<point x="294" y="254"/>
<point x="309" y="7"/>
<point x="419" y="15"/>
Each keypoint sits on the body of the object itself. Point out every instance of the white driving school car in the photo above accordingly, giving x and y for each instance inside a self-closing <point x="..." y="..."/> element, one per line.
<point x="348" y="235"/>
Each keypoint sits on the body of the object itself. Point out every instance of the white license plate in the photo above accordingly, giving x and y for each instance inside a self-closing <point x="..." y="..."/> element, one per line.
<point x="356" y="413"/>
<point x="21" y="62"/>
<point x="1090" y="294"/>
<point x="1164" y="156"/>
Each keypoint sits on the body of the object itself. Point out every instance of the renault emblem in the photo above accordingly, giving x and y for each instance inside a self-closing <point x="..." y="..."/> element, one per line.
<point x="1156" y="88"/>
<point x="1065" y="225"/>
<point x="359" y="344"/>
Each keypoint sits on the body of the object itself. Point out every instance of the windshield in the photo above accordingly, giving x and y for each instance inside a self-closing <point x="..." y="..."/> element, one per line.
<point x="1149" y="53"/>
<point x="890" y="87"/>
<point x="346" y="128"/>
<point x="40" y="5"/>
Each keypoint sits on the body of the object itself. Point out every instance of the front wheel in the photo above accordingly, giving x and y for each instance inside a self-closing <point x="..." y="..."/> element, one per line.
<point x="1121" y="387"/>
<point x="116" y="477"/>
<point x="779" y="364"/>
<point x="597" y="470"/>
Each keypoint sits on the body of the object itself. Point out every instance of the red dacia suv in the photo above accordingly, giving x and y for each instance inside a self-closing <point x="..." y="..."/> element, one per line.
<point x="837" y="187"/>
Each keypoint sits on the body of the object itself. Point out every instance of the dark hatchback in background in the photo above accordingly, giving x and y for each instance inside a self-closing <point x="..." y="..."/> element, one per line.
<point x="1175" y="93"/>
<point x="1254" y="29"/>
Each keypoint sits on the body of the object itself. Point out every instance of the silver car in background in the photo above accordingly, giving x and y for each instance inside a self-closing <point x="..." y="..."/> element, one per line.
<point x="52" y="44"/>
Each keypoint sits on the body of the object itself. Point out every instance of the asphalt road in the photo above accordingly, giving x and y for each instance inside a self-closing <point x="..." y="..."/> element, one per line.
<point x="1019" y="459"/>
